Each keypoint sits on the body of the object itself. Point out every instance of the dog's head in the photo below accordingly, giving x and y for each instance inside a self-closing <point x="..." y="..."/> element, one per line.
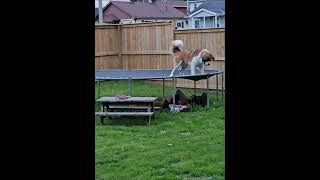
<point x="206" y="57"/>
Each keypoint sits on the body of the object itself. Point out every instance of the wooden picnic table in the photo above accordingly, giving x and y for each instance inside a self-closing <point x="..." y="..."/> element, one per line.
<point x="108" y="104"/>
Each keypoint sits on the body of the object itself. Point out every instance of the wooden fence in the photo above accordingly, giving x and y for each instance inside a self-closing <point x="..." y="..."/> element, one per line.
<point x="146" y="46"/>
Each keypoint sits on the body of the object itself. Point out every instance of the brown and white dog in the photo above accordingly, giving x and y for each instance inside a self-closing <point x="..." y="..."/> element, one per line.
<point x="195" y="58"/>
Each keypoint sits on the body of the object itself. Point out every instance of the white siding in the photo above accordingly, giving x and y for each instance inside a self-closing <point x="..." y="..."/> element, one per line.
<point x="209" y="22"/>
<point x="222" y="24"/>
<point x="190" y="24"/>
<point x="201" y="22"/>
<point x="209" y="18"/>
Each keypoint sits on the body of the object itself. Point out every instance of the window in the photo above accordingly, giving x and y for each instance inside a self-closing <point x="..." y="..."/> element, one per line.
<point x="218" y="21"/>
<point x="194" y="5"/>
<point x="180" y="25"/>
<point x="197" y="23"/>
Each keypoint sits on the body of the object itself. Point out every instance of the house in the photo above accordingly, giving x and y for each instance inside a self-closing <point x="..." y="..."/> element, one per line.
<point x="193" y="4"/>
<point x="210" y="14"/>
<point x="147" y="11"/>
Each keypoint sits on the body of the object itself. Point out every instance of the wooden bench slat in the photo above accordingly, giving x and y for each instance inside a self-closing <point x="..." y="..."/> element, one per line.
<point x="132" y="107"/>
<point x="100" y="113"/>
<point x="129" y="113"/>
<point x="105" y="114"/>
<point x="124" y="113"/>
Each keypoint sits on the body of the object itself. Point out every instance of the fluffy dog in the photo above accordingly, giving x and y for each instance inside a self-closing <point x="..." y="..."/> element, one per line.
<point x="195" y="58"/>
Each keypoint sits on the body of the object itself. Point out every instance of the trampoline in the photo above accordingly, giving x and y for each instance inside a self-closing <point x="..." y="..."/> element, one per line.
<point x="118" y="74"/>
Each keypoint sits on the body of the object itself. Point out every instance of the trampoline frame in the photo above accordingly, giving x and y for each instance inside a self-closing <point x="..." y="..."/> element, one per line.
<point x="174" y="79"/>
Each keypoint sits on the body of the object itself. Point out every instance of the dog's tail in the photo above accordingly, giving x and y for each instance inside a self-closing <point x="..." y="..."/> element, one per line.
<point x="176" y="46"/>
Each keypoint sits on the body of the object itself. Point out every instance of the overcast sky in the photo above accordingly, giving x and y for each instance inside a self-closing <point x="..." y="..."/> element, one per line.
<point x="105" y="2"/>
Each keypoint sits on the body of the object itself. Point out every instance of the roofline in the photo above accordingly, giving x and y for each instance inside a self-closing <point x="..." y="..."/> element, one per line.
<point x="197" y="0"/>
<point x="117" y="7"/>
<point x="156" y="18"/>
<point x="202" y="9"/>
<point x="160" y="18"/>
<point x="179" y="6"/>
<point x="106" y="6"/>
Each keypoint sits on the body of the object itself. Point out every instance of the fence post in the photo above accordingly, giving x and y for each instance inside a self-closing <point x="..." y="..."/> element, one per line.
<point x="173" y="25"/>
<point x="120" y="47"/>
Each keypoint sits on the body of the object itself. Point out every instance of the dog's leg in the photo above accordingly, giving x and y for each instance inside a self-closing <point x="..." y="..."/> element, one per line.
<point x="174" y="65"/>
<point x="181" y="70"/>
<point x="184" y="66"/>
<point x="193" y="69"/>
<point x="202" y="68"/>
<point x="193" y="66"/>
<point x="174" y="69"/>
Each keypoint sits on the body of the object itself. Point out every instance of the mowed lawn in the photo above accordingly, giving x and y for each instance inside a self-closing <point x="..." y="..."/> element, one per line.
<point x="187" y="145"/>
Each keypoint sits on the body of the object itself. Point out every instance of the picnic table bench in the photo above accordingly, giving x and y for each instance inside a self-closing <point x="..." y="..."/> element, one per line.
<point x="107" y="114"/>
<point x="109" y="104"/>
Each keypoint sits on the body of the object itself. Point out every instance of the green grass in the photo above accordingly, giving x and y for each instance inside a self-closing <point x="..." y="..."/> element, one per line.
<point x="187" y="145"/>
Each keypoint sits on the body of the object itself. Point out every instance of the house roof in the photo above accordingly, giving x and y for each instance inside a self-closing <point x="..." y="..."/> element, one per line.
<point x="110" y="16"/>
<point x="145" y="10"/>
<point x="174" y="3"/>
<point x="216" y="6"/>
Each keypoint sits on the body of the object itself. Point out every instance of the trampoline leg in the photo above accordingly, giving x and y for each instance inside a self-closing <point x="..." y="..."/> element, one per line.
<point x="194" y="87"/>
<point x="207" y="91"/>
<point x="174" y="91"/>
<point x="217" y="87"/>
<point x="129" y="85"/>
<point x="98" y="88"/>
<point x="222" y="95"/>
<point x="163" y="88"/>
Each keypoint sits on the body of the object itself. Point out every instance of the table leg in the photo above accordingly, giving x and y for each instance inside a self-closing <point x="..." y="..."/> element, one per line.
<point x="152" y="107"/>
<point x="101" y="120"/>
<point x="102" y="107"/>
<point x="107" y="110"/>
